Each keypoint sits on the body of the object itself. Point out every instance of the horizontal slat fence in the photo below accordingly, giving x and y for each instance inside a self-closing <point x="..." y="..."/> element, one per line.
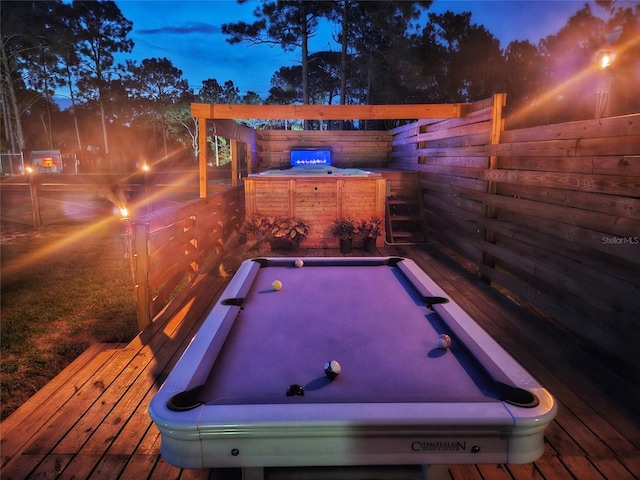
<point x="349" y="148"/>
<point x="567" y="226"/>
<point x="171" y="245"/>
<point x="551" y="213"/>
<point x="450" y="156"/>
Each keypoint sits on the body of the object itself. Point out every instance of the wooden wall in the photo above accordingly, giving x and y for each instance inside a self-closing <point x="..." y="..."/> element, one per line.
<point x="359" y="149"/>
<point x="317" y="201"/>
<point x="550" y="213"/>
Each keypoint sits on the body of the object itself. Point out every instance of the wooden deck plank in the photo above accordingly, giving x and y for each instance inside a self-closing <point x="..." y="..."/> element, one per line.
<point x="109" y="466"/>
<point x="581" y="467"/>
<point x="50" y="467"/>
<point x="559" y="440"/>
<point x="464" y="472"/>
<point x="80" y="466"/>
<point x="494" y="472"/>
<point x="135" y="431"/>
<point x="551" y="468"/>
<point x="101" y="429"/>
<point x="139" y="466"/>
<point x="60" y="388"/>
<point x="43" y="396"/>
<point x="138" y="379"/>
<point x="164" y="471"/>
<point x="22" y="424"/>
<point x="632" y="463"/>
<point x="612" y="468"/>
<point x="23" y="466"/>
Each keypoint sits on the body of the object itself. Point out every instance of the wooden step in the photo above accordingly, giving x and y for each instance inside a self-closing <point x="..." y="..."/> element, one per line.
<point x="403" y="207"/>
<point x="401" y="201"/>
<point x="403" y="234"/>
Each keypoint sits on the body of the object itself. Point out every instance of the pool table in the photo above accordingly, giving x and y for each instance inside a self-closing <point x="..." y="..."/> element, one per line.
<point x="250" y="390"/>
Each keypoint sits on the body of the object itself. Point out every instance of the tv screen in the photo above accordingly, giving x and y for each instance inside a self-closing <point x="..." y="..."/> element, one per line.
<point x="310" y="156"/>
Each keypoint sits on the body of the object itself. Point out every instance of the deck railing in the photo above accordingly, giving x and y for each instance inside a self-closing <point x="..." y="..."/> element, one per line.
<point x="170" y="246"/>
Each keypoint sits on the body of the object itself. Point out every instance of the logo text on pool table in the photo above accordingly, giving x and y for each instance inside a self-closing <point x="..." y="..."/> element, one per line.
<point x="440" y="446"/>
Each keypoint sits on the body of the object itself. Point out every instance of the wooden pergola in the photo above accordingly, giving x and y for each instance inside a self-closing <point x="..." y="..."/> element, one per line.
<point x="225" y="126"/>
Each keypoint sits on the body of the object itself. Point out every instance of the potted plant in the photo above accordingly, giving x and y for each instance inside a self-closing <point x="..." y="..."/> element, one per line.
<point x="370" y="230"/>
<point x="344" y="229"/>
<point x="258" y="230"/>
<point x="290" y="230"/>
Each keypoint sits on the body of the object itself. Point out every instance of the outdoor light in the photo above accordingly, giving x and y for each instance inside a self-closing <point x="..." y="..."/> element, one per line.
<point x="124" y="213"/>
<point x="604" y="59"/>
<point x="29" y="170"/>
<point x="145" y="170"/>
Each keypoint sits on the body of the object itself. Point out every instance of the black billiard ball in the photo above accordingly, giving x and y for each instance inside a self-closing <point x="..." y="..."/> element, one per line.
<point x="295" y="390"/>
<point x="332" y="369"/>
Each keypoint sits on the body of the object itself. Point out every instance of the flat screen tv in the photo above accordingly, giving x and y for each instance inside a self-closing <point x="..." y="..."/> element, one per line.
<point x="310" y="156"/>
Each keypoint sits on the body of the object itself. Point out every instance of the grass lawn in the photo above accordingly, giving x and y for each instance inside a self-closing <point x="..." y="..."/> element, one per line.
<point x="63" y="288"/>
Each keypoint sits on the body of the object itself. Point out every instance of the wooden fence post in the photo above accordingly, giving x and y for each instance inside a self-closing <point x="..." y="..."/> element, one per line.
<point x="33" y="190"/>
<point x="202" y="155"/>
<point x="497" y="126"/>
<point x="234" y="162"/>
<point x="140" y="257"/>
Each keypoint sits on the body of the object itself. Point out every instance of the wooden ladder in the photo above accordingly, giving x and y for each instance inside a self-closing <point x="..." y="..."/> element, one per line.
<point x="404" y="216"/>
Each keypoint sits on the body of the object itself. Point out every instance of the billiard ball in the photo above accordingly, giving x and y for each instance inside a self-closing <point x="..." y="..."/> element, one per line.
<point x="276" y="285"/>
<point x="443" y="341"/>
<point x="332" y="369"/>
<point x="295" y="390"/>
<point x="299" y="263"/>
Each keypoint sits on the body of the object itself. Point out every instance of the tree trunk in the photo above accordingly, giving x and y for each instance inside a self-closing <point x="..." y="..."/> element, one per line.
<point x="19" y="134"/>
<point x="343" y="58"/>
<point x="104" y="133"/>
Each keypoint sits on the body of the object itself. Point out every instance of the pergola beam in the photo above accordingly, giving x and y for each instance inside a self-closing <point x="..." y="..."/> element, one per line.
<point x="329" y="112"/>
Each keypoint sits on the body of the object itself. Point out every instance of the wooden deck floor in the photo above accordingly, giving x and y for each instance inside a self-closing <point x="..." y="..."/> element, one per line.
<point x="91" y="421"/>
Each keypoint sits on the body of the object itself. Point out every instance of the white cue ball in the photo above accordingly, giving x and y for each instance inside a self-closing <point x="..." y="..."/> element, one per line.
<point x="299" y="263"/>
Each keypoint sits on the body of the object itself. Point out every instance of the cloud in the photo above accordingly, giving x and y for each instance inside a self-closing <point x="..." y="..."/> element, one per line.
<point x="185" y="28"/>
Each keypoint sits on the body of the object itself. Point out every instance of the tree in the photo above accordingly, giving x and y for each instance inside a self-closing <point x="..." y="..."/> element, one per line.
<point x="289" y="24"/>
<point x="101" y="32"/>
<point x="524" y="71"/>
<point x="568" y="57"/>
<point x="212" y="92"/>
<point x="69" y="62"/>
<point x="623" y="37"/>
<point x="184" y="127"/>
<point x="286" y="86"/>
<point x="26" y="60"/>
<point x="464" y="61"/>
<point x="156" y="86"/>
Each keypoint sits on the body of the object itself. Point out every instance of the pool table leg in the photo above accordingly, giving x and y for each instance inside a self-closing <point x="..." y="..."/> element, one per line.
<point x="427" y="472"/>
<point x="253" y="473"/>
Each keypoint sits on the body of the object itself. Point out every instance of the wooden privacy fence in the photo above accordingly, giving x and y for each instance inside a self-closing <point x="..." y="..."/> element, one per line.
<point x="170" y="246"/>
<point x="552" y="213"/>
<point x="348" y="148"/>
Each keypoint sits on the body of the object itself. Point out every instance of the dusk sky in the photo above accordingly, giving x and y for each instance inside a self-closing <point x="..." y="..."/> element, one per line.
<point x="189" y="34"/>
